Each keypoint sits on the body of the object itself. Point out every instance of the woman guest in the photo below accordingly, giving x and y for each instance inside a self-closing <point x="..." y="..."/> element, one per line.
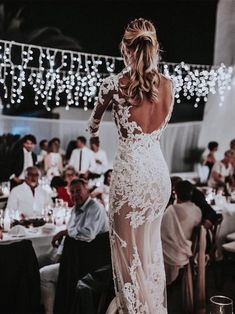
<point x="60" y="185"/>
<point x="53" y="163"/>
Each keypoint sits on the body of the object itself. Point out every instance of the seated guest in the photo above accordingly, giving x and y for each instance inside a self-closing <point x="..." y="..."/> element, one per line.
<point x="82" y="158"/>
<point x="88" y="219"/>
<point x="60" y="186"/>
<point x="53" y="163"/>
<point x="22" y="158"/>
<point x="222" y="172"/>
<point x="177" y="227"/>
<point x="208" y="157"/>
<point x="209" y="215"/>
<point x="69" y="174"/>
<point x="102" y="191"/>
<point x="29" y="198"/>
<point x="99" y="155"/>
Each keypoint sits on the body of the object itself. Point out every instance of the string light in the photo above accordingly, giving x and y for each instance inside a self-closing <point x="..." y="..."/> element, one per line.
<point x="57" y="76"/>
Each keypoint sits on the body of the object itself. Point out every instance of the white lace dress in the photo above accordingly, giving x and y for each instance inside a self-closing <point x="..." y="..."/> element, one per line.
<point x="139" y="193"/>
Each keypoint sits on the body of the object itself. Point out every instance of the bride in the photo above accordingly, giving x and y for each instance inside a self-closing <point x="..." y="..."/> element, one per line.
<point x="142" y="101"/>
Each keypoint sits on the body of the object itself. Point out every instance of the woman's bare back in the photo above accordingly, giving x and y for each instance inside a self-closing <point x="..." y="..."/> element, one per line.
<point x="151" y="116"/>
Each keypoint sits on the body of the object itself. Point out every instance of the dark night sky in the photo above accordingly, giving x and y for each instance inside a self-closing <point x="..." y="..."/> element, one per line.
<point x="185" y="29"/>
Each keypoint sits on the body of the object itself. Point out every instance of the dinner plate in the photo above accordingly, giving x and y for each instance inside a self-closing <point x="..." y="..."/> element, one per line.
<point x="18" y="235"/>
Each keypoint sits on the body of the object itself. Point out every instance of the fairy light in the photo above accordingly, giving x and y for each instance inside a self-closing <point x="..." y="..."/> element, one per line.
<point x="54" y="74"/>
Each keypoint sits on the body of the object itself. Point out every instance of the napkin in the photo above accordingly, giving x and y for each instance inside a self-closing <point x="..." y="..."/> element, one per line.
<point x="17" y="231"/>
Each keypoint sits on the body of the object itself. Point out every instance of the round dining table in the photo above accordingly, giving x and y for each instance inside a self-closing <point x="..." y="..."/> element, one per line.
<point x="41" y="239"/>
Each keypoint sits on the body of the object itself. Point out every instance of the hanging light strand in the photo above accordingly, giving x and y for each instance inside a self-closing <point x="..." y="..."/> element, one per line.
<point x="64" y="76"/>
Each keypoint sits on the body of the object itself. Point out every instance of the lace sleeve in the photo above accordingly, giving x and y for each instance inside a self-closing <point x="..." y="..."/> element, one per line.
<point x="104" y="99"/>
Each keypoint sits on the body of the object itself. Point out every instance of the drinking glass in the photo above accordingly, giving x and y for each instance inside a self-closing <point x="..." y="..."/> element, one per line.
<point x="220" y="304"/>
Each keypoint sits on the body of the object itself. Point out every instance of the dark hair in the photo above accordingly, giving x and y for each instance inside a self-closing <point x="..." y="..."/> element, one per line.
<point x="95" y="140"/>
<point x="29" y="137"/>
<point x="232" y="143"/>
<point x="69" y="168"/>
<point x="78" y="180"/>
<point x="183" y="190"/>
<point x="57" y="182"/>
<point x="106" y="176"/>
<point x="212" y="145"/>
<point x="55" y="139"/>
<point x="42" y="143"/>
<point x="175" y="180"/>
<point x="71" y="146"/>
<point x="51" y="143"/>
<point x="82" y="139"/>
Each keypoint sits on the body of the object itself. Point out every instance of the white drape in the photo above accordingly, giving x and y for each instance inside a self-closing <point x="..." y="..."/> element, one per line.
<point x="224" y="51"/>
<point x="218" y="121"/>
<point x="176" y="141"/>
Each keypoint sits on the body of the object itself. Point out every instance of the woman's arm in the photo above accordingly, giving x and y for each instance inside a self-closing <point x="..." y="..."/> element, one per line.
<point x="104" y="98"/>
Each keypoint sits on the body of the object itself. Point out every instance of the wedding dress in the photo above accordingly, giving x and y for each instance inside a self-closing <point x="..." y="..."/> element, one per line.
<point x="139" y="193"/>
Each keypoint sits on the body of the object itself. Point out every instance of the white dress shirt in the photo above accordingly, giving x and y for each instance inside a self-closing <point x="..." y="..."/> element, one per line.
<point x="87" y="221"/>
<point x="87" y="160"/>
<point x="28" y="162"/>
<point x="21" y="198"/>
<point x="101" y="156"/>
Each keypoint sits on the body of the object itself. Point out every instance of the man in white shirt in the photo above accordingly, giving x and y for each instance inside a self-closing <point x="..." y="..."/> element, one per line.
<point x="99" y="155"/>
<point x="222" y="171"/>
<point x="29" y="198"/>
<point x="88" y="219"/>
<point x="82" y="158"/>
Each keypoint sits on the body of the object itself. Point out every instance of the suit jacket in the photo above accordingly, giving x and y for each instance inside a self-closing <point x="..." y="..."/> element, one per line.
<point x="17" y="162"/>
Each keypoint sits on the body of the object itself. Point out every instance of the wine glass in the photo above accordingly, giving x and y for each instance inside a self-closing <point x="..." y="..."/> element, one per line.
<point x="220" y="304"/>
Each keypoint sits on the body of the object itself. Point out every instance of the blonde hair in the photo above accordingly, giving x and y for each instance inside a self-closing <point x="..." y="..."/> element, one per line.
<point x="140" y="51"/>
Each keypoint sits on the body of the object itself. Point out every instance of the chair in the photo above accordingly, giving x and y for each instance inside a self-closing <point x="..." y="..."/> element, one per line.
<point x="94" y="292"/>
<point x="211" y="250"/>
<point x="78" y="259"/>
<point x="20" y="279"/>
<point x="193" y="278"/>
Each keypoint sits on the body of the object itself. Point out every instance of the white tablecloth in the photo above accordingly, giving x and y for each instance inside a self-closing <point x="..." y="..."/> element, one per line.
<point x="41" y="241"/>
<point x="227" y="225"/>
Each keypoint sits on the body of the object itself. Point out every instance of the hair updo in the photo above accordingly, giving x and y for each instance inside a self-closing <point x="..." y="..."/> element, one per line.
<point x="140" y="50"/>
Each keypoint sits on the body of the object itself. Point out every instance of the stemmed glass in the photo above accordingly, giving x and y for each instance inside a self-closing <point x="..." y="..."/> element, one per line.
<point x="220" y="304"/>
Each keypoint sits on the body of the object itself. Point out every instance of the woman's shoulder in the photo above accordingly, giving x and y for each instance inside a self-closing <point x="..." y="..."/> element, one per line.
<point x="166" y="80"/>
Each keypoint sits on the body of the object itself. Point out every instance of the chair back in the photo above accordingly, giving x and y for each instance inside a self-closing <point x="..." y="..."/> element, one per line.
<point x="193" y="281"/>
<point x="211" y="235"/>
<point x="78" y="259"/>
<point x="20" y="278"/>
